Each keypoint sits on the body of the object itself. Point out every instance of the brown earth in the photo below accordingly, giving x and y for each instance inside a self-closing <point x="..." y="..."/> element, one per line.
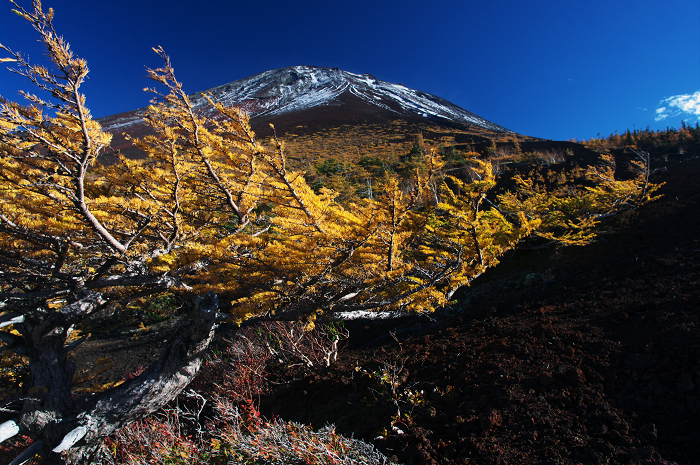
<point x="556" y="356"/>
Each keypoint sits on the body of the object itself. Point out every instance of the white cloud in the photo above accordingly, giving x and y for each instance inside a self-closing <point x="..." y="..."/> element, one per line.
<point x="678" y="105"/>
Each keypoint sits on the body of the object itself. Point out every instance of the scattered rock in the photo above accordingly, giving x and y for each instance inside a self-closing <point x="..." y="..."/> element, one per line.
<point x="685" y="383"/>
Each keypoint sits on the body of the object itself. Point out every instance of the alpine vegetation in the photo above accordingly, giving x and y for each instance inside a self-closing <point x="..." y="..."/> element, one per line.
<point x="212" y="213"/>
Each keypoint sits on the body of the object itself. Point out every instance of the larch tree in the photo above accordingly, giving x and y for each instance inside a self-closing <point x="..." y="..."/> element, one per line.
<point x="211" y="211"/>
<point x="75" y="239"/>
<point x="572" y="219"/>
<point x="207" y="210"/>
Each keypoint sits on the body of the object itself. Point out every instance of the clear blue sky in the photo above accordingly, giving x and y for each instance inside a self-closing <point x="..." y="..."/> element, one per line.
<point x="551" y="69"/>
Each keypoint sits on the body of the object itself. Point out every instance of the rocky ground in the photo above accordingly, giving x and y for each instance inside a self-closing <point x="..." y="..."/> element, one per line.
<point x="570" y="356"/>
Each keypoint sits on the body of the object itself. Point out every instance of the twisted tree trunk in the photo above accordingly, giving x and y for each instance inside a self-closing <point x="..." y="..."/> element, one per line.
<point x="68" y="431"/>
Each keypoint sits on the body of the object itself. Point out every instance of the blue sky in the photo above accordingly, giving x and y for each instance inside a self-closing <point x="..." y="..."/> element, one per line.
<point x="551" y="69"/>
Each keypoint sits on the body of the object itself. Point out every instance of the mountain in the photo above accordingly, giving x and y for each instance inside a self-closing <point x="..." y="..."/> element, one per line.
<point x="318" y="97"/>
<point x="300" y="89"/>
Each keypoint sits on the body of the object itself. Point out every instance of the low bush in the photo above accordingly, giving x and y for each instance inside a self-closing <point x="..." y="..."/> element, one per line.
<point x="217" y="420"/>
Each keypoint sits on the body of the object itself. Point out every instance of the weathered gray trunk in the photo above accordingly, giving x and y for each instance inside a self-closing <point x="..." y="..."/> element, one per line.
<point x="56" y="422"/>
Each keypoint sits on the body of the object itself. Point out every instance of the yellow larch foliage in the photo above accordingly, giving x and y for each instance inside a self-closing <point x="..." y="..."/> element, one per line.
<point x="211" y="208"/>
<point x="572" y="219"/>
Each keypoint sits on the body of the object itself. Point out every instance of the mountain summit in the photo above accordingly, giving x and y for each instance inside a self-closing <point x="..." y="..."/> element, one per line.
<point x="318" y="96"/>
<point x="298" y="89"/>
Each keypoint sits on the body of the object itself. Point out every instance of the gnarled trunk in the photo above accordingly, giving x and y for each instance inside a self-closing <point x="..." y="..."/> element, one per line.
<point x="68" y="431"/>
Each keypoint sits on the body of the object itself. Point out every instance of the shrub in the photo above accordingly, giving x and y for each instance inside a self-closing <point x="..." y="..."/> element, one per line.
<point x="282" y="442"/>
<point x="156" y="440"/>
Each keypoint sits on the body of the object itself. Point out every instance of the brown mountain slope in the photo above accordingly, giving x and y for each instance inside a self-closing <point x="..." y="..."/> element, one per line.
<point x="582" y="355"/>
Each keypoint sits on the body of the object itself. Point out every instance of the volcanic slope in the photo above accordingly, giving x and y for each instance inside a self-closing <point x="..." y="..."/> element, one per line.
<point x="308" y="99"/>
<point x="557" y="356"/>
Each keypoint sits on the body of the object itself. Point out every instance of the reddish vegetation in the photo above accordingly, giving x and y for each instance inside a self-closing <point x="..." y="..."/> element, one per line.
<point x="582" y="355"/>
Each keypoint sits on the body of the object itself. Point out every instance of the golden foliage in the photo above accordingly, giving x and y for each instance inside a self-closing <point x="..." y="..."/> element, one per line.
<point x="572" y="219"/>
<point x="211" y="208"/>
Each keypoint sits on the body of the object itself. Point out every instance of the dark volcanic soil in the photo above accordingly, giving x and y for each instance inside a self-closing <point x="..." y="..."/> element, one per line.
<point x="579" y="355"/>
<point x="557" y="356"/>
